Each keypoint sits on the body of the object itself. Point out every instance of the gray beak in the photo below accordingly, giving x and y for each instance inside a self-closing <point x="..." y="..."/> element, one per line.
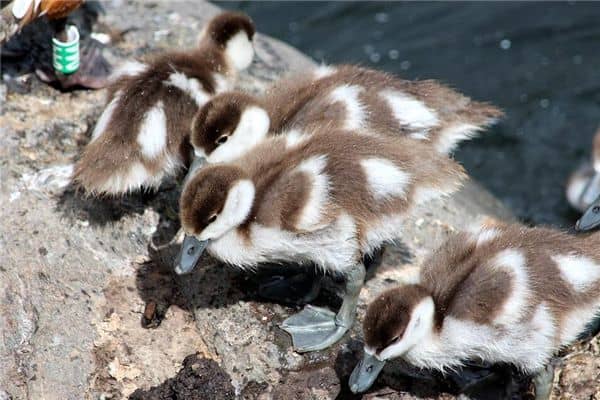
<point x="590" y="218"/>
<point x="196" y="165"/>
<point x="191" y="250"/>
<point x="365" y="373"/>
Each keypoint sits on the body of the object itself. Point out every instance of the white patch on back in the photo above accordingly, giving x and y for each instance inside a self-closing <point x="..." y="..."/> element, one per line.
<point x="355" y="113"/>
<point x="239" y="51"/>
<point x="294" y="137"/>
<point x="312" y="212"/>
<point x="578" y="271"/>
<point x="106" y="116"/>
<point x="384" y="178"/>
<point x="189" y="86"/>
<point x="152" y="137"/>
<point x="513" y="261"/>
<point x="411" y="112"/>
<point x="252" y="128"/>
<point x="448" y="138"/>
<point x="323" y="71"/>
<point x="129" y="68"/>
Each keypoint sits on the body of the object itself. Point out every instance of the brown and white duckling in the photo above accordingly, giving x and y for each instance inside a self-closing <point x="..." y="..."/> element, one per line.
<point x="143" y="134"/>
<point x="327" y="198"/>
<point x="507" y="294"/>
<point x="341" y="97"/>
<point x="583" y="189"/>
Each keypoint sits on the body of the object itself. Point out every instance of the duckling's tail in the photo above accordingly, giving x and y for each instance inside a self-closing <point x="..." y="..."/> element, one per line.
<point x="113" y="170"/>
<point x="470" y="118"/>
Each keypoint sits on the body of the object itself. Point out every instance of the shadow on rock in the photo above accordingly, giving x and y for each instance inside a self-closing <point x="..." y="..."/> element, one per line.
<point x="103" y="210"/>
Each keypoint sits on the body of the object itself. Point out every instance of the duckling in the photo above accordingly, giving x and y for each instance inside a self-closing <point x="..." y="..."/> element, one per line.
<point x="326" y="198"/>
<point x="343" y="97"/>
<point x="505" y="294"/>
<point x="583" y="189"/>
<point x="142" y="135"/>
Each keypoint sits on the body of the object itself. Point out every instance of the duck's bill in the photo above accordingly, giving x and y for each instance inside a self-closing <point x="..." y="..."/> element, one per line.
<point x="196" y="165"/>
<point x="365" y="373"/>
<point x="590" y="218"/>
<point x="191" y="251"/>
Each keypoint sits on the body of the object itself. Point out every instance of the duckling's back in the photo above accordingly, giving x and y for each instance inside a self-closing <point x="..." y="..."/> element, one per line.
<point x="325" y="173"/>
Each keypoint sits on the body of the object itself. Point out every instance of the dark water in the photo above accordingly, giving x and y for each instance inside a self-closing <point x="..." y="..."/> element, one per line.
<point x="540" y="62"/>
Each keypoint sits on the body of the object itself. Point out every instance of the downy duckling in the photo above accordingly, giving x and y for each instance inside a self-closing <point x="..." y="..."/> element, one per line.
<point x="143" y="134"/>
<point x="506" y="294"/>
<point x="325" y="198"/>
<point x="583" y="189"/>
<point x="341" y="97"/>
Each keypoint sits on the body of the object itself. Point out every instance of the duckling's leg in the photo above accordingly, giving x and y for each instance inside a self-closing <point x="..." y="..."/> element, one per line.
<point x="543" y="381"/>
<point x="316" y="328"/>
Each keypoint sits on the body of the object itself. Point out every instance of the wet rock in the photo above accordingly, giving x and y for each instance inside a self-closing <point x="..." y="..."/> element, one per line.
<point x="199" y="378"/>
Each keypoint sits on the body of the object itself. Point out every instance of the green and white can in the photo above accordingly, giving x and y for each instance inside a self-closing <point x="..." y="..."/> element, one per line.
<point x="65" y="55"/>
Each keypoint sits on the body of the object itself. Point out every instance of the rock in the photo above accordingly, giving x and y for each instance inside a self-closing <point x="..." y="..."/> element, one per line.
<point x="80" y="278"/>
<point x="199" y="378"/>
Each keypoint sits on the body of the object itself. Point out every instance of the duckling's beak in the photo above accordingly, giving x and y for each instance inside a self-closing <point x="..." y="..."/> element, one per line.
<point x="365" y="373"/>
<point x="191" y="251"/>
<point x="590" y="218"/>
<point x="196" y="165"/>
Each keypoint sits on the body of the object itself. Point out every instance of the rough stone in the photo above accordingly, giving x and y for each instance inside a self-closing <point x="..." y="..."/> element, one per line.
<point x="82" y="280"/>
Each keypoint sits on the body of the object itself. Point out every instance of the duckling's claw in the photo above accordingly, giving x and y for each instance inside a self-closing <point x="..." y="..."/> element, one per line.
<point x="296" y="289"/>
<point x="365" y="373"/>
<point x="590" y="218"/>
<point x="191" y="251"/>
<point x="313" y="329"/>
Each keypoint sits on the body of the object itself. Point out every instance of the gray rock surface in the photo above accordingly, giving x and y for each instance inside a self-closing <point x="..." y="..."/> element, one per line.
<point x="76" y="274"/>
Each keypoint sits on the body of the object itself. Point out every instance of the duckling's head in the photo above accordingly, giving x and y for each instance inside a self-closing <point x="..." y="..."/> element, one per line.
<point x="395" y="322"/>
<point x="228" y="126"/>
<point x="215" y="200"/>
<point x="233" y="33"/>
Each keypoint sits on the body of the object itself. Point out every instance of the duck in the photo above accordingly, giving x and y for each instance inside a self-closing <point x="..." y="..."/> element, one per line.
<point x="339" y="97"/>
<point x="324" y="198"/>
<point x="142" y="136"/>
<point x="583" y="189"/>
<point x="501" y="294"/>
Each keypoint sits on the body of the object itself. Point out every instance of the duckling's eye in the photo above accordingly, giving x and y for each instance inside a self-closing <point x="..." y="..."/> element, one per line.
<point x="222" y="139"/>
<point x="212" y="218"/>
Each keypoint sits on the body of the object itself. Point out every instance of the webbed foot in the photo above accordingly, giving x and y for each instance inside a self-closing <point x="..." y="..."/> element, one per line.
<point x="296" y="289"/>
<point x="313" y="329"/>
